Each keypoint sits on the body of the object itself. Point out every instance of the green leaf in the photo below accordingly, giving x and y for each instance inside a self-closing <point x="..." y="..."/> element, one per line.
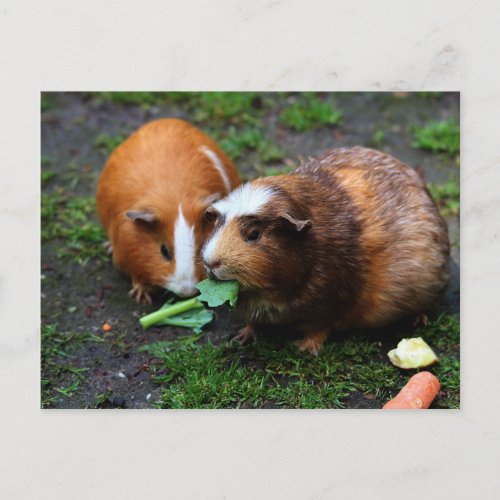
<point x="215" y="293"/>
<point x="195" y="319"/>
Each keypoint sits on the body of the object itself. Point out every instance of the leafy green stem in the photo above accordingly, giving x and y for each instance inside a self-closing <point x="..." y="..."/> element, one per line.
<point x="178" y="308"/>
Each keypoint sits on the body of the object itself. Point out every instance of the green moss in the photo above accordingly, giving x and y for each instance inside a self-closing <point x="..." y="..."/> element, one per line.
<point x="310" y="112"/>
<point x="440" y="136"/>
<point x="446" y="196"/>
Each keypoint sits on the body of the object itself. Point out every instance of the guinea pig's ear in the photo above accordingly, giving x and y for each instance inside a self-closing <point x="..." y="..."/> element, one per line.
<point x="295" y="224"/>
<point x="206" y="201"/>
<point x="141" y="215"/>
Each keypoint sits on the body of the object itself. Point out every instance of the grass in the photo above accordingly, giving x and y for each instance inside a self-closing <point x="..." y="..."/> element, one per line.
<point x="378" y="138"/>
<point x="271" y="374"/>
<point x="47" y="176"/>
<point x="100" y="400"/>
<point x="448" y="374"/>
<point x="72" y="220"/>
<point x="439" y="136"/>
<point x="235" y="143"/>
<point x="310" y="112"/>
<point x="46" y="103"/>
<point x="236" y="108"/>
<point x="240" y="112"/>
<point x="272" y="171"/>
<point x="443" y="334"/>
<point x="56" y="351"/>
<point x="447" y="197"/>
<point x="108" y="143"/>
<point x="430" y="95"/>
<point x="143" y="99"/>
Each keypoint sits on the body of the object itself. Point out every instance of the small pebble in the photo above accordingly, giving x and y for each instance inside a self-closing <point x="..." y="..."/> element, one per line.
<point x="148" y="396"/>
<point x="122" y="375"/>
<point x="118" y="401"/>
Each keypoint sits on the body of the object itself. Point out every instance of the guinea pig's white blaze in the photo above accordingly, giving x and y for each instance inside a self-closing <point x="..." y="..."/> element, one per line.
<point x="183" y="282"/>
<point x="210" y="247"/>
<point x="218" y="166"/>
<point x="245" y="200"/>
<point x="248" y="199"/>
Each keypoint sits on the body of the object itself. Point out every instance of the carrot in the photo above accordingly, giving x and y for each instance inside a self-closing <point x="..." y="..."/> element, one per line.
<point x="417" y="394"/>
<point x="106" y="327"/>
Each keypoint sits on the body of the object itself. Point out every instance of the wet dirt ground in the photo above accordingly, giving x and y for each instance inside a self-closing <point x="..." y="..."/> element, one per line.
<point x="81" y="298"/>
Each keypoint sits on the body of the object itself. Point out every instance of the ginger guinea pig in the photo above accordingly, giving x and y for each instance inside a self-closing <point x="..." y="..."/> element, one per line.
<point x="349" y="239"/>
<point x="151" y="199"/>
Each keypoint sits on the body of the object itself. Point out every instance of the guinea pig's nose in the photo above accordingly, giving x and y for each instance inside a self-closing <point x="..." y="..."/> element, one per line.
<point x="212" y="265"/>
<point x="186" y="291"/>
<point x="216" y="264"/>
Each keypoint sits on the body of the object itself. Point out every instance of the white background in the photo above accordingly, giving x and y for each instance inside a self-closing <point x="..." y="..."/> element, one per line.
<point x="248" y="45"/>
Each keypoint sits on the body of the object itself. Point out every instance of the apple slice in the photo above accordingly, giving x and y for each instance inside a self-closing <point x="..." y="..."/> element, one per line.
<point x="412" y="353"/>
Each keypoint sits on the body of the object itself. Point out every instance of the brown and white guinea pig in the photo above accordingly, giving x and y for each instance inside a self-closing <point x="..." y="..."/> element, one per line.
<point x="349" y="239"/>
<point x="151" y="199"/>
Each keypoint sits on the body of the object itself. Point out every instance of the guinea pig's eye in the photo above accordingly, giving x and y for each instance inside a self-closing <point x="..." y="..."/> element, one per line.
<point x="211" y="215"/>
<point x="253" y="235"/>
<point x="164" y="251"/>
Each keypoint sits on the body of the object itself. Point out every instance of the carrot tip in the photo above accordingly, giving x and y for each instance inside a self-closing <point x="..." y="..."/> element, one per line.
<point x="418" y="393"/>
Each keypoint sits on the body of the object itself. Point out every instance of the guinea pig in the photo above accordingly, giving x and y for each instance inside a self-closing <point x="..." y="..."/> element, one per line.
<point x="151" y="199"/>
<point x="351" y="239"/>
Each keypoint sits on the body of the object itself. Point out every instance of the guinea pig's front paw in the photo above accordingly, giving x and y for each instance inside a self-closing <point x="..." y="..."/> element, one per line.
<point x="246" y="335"/>
<point x="140" y="293"/>
<point x="108" y="247"/>
<point x="312" y="342"/>
<point x="421" y="320"/>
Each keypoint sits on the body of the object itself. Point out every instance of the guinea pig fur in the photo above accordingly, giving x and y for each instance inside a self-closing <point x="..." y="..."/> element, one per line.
<point x="349" y="239"/>
<point x="151" y="199"/>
